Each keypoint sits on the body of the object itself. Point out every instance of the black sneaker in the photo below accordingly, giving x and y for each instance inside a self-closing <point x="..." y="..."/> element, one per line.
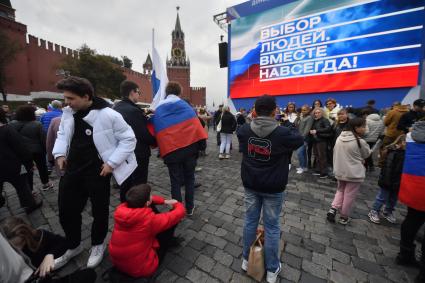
<point x="330" y="216"/>
<point x="189" y="212"/>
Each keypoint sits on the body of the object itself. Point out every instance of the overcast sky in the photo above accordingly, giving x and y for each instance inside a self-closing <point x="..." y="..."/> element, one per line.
<point x="124" y="27"/>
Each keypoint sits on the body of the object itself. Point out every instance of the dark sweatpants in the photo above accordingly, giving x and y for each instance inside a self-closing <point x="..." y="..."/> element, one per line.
<point x="20" y="183"/>
<point x="74" y="191"/>
<point x="40" y="162"/>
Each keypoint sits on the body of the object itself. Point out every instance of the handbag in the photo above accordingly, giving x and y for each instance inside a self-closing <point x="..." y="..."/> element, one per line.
<point x="256" y="267"/>
<point x="219" y="123"/>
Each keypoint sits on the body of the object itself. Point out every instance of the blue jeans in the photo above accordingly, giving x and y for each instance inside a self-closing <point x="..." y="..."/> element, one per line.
<point x="302" y="155"/>
<point x="272" y="206"/>
<point x="389" y="198"/>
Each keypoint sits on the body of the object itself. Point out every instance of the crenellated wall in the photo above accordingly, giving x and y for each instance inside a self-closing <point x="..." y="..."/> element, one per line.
<point x="198" y="95"/>
<point x="34" y="70"/>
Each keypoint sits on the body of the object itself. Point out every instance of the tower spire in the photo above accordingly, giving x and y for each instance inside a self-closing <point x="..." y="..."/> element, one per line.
<point x="178" y="26"/>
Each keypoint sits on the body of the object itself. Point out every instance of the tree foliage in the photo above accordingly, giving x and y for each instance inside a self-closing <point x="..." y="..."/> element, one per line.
<point x="101" y="70"/>
<point x="8" y="50"/>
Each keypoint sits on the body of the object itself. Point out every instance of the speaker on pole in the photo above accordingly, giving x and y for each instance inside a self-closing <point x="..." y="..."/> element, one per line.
<point x="222" y="50"/>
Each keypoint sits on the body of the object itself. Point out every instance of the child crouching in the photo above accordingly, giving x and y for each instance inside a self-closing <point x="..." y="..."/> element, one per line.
<point x="140" y="236"/>
<point x="389" y="181"/>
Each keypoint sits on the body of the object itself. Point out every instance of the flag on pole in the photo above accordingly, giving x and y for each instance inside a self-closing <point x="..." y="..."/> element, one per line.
<point x="159" y="76"/>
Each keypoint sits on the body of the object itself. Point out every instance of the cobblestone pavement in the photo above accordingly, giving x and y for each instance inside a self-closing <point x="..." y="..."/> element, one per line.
<point x="315" y="251"/>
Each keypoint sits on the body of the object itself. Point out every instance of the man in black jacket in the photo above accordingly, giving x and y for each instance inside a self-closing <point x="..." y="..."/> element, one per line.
<point x="136" y="118"/>
<point x="409" y="118"/>
<point x="266" y="148"/>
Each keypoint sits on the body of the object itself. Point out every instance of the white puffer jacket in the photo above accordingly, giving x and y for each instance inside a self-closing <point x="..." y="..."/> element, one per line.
<point x="375" y="127"/>
<point x="113" y="137"/>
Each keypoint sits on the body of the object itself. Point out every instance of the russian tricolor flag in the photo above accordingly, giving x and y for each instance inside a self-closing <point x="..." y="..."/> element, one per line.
<point x="159" y="77"/>
<point x="176" y="125"/>
<point x="412" y="187"/>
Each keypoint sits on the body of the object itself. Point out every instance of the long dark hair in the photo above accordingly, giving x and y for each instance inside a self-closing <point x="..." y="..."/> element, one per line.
<point x="352" y="125"/>
<point x="18" y="232"/>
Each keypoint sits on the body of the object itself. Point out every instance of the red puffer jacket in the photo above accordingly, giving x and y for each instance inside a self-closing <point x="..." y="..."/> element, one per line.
<point x="133" y="244"/>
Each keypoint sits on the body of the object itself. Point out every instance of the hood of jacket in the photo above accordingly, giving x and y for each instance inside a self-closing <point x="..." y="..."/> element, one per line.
<point x="129" y="217"/>
<point x="373" y="117"/>
<point x="418" y="132"/>
<point x="347" y="136"/>
<point x="263" y="126"/>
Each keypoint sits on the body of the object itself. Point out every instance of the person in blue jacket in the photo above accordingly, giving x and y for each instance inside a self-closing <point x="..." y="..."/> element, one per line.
<point x="55" y="110"/>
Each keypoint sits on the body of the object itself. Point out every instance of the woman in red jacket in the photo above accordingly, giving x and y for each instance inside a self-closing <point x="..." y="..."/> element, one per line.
<point x="140" y="235"/>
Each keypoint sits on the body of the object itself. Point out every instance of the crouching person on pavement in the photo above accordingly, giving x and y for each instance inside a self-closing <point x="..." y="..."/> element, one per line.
<point x="141" y="235"/>
<point x="93" y="141"/>
<point x="266" y="147"/>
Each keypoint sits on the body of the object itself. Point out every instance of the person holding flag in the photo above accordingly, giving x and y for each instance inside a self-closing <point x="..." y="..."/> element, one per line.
<point x="180" y="137"/>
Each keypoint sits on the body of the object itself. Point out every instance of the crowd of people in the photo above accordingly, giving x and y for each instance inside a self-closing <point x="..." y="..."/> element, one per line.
<point x="88" y="142"/>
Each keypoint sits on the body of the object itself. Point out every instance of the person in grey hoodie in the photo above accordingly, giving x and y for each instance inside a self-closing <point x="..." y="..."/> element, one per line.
<point x="350" y="151"/>
<point x="304" y="126"/>
<point x="375" y="129"/>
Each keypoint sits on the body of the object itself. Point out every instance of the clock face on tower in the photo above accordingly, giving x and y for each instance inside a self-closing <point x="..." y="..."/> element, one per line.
<point x="177" y="52"/>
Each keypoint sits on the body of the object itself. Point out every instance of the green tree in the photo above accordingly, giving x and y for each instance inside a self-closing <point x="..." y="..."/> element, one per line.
<point x="8" y="50"/>
<point x="127" y="63"/>
<point x="100" y="70"/>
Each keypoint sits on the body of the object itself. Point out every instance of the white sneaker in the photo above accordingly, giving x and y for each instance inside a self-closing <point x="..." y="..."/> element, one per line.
<point x="244" y="265"/>
<point x="226" y="156"/>
<point x="96" y="255"/>
<point x="300" y="170"/>
<point x="272" y="276"/>
<point x="66" y="257"/>
<point x="374" y="217"/>
<point x="290" y="166"/>
<point x="221" y="156"/>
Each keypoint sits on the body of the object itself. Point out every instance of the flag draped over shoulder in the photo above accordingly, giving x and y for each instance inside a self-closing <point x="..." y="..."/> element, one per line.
<point x="412" y="186"/>
<point x="159" y="79"/>
<point x="176" y="125"/>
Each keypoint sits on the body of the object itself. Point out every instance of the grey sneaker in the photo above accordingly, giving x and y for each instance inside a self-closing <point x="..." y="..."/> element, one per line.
<point x="389" y="217"/>
<point x="344" y="220"/>
<point x="374" y="217"/>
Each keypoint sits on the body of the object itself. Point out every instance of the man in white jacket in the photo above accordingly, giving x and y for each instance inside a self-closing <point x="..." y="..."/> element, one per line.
<point x="93" y="141"/>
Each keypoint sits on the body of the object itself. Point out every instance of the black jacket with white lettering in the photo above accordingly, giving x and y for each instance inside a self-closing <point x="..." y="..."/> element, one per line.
<point x="265" y="159"/>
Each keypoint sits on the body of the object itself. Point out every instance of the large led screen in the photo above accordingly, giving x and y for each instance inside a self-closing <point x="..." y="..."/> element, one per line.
<point x="301" y="47"/>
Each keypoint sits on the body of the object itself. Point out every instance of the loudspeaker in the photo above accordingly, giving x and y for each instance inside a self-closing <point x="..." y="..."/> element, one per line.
<point x="222" y="51"/>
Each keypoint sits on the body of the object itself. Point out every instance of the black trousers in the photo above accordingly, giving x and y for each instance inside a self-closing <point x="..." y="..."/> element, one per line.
<point x="139" y="176"/>
<point x="20" y="183"/>
<point x="74" y="191"/>
<point x="183" y="173"/>
<point x="320" y="154"/>
<point x="40" y="162"/>
<point x="164" y="238"/>
<point x="410" y="227"/>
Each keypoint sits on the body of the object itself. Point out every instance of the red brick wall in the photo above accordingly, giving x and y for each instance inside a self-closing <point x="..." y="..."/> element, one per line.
<point x="182" y="76"/>
<point x="198" y="95"/>
<point x="43" y="62"/>
<point x="17" y="71"/>
<point x="144" y="84"/>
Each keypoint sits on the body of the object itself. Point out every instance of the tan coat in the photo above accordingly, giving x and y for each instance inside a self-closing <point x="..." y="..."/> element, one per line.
<point x="392" y="119"/>
<point x="348" y="158"/>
